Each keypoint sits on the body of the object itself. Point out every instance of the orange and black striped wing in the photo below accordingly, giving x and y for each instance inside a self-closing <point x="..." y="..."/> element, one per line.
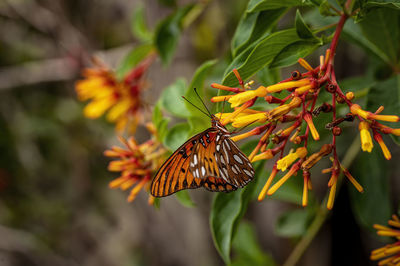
<point x="175" y="174"/>
<point x="203" y="163"/>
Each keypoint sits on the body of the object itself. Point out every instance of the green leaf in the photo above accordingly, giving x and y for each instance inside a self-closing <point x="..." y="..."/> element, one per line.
<point x="260" y="5"/>
<point x="374" y="205"/>
<point x="291" y="53"/>
<point x="293" y="223"/>
<point x="269" y="76"/>
<point x="159" y="121"/>
<point x="394" y="4"/>
<point x="302" y="29"/>
<point x="139" y="26"/>
<point x="157" y="203"/>
<point x="253" y="26"/>
<point x="176" y="136"/>
<point x="386" y="93"/>
<point x="226" y="212"/>
<point x="171" y="98"/>
<point x="248" y="249"/>
<point x="380" y="28"/>
<point x="263" y="54"/>
<point x="183" y="197"/>
<point x="325" y="9"/>
<point x="168" y="32"/>
<point x="133" y="58"/>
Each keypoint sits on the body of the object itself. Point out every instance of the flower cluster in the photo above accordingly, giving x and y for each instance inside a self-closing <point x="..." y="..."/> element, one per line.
<point x="390" y="254"/>
<point x="283" y="123"/>
<point x="120" y="99"/>
<point x="136" y="162"/>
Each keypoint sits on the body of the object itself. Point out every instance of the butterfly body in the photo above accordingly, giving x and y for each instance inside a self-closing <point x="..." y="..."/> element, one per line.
<point x="209" y="159"/>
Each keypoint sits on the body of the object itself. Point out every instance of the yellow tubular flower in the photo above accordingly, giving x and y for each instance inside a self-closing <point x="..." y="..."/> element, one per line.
<point x="287" y="85"/>
<point x="356" y="109"/>
<point x="286" y="161"/>
<point x="278" y="184"/>
<point x="310" y="123"/>
<point x="264" y="190"/>
<point x="305" y="64"/>
<point x="384" y="148"/>
<point x="366" y="140"/>
<point x="244" y="120"/>
<point x="266" y="155"/>
<point x="390" y="253"/>
<point x="243" y="97"/>
<point x="284" y="109"/>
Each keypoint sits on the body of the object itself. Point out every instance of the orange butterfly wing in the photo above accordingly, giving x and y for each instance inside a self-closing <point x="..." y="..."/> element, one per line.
<point x="177" y="172"/>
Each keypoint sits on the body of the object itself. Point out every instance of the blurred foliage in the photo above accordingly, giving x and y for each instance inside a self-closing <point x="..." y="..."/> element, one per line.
<point x="53" y="175"/>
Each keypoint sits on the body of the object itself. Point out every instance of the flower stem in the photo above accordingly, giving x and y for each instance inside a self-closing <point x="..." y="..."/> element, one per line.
<point x="322" y="213"/>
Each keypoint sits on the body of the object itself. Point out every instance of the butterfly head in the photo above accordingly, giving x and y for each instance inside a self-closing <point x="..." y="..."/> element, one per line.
<point x="215" y="122"/>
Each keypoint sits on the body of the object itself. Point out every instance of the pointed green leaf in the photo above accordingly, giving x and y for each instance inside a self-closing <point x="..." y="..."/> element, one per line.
<point x="381" y="28"/>
<point x="139" y="26"/>
<point x="171" y="98"/>
<point x="263" y="54"/>
<point x="253" y="26"/>
<point x="183" y="197"/>
<point x="168" y="32"/>
<point x="133" y="58"/>
<point x="247" y="248"/>
<point x="176" y="136"/>
<point x="302" y="29"/>
<point x="227" y="210"/>
<point x="260" y="5"/>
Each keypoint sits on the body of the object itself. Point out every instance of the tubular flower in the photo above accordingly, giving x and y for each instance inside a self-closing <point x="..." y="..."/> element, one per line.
<point x="286" y="161"/>
<point x="384" y="148"/>
<point x="136" y="162"/>
<point x="389" y="254"/>
<point x="291" y="118"/>
<point x="119" y="98"/>
<point x="366" y="140"/>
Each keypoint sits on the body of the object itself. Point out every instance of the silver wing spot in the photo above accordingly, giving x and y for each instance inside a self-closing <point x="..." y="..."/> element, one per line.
<point x="195" y="159"/>
<point x="218" y="147"/>
<point x="237" y="158"/>
<point x="234" y="170"/>
<point x="222" y="159"/>
<point x="203" y="170"/>
<point x="247" y="173"/>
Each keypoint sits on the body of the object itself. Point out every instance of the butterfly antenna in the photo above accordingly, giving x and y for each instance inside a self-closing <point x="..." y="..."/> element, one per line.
<point x="201" y="100"/>
<point x="223" y="105"/>
<point x="209" y="115"/>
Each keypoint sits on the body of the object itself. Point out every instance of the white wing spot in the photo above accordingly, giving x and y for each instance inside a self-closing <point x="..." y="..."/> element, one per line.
<point x="237" y="158"/>
<point x="235" y="171"/>
<point x="247" y="173"/>
<point x="203" y="170"/>
<point x="191" y="164"/>
<point x="222" y="159"/>
<point x="195" y="159"/>
<point x="236" y="167"/>
<point x="197" y="173"/>
<point x="217" y="137"/>
<point x="218" y="147"/>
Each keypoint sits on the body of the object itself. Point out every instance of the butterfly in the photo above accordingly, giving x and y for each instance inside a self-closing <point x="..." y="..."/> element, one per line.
<point x="209" y="159"/>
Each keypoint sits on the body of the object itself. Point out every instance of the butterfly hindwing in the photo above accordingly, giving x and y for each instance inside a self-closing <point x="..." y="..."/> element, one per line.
<point x="233" y="163"/>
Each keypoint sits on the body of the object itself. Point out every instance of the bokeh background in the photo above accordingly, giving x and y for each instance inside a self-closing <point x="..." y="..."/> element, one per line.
<point x="55" y="204"/>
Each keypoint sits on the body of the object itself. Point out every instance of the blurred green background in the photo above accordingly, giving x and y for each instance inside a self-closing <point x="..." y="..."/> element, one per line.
<point x="55" y="204"/>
